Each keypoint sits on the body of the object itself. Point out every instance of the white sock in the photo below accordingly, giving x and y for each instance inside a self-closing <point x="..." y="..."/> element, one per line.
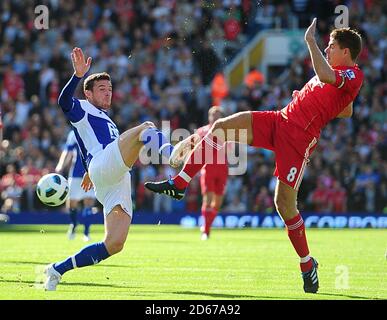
<point x="304" y="259"/>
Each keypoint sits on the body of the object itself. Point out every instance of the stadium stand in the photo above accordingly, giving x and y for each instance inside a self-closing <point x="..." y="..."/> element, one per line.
<point x="162" y="56"/>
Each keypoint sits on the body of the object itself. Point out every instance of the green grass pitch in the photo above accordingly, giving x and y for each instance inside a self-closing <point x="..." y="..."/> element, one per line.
<point x="172" y="263"/>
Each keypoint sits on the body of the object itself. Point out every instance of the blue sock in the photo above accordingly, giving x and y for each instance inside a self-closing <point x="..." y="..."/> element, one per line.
<point x="88" y="256"/>
<point x="86" y="217"/>
<point x="154" y="139"/>
<point x="73" y="217"/>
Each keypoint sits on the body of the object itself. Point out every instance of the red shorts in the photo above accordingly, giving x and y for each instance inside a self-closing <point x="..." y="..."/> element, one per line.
<point x="292" y="145"/>
<point x="214" y="179"/>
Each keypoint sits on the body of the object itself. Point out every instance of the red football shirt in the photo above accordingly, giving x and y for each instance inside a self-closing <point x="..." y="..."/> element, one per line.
<point x="318" y="103"/>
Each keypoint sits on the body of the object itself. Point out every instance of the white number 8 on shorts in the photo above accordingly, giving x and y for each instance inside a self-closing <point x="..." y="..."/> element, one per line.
<point x="292" y="174"/>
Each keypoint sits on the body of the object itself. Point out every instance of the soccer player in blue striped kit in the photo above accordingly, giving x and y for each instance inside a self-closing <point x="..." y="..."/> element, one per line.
<point x="77" y="195"/>
<point x="108" y="157"/>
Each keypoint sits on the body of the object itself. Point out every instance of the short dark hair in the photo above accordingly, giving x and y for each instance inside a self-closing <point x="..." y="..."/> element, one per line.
<point x="214" y="109"/>
<point x="348" y="38"/>
<point x="89" y="81"/>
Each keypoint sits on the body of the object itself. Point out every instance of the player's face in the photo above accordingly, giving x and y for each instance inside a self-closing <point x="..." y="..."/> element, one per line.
<point x="334" y="54"/>
<point x="101" y="95"/>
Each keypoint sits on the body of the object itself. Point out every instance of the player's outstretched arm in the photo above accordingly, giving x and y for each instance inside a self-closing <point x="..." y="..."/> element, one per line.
<point x="320" y="65"/>
<point x="66" y="100"/>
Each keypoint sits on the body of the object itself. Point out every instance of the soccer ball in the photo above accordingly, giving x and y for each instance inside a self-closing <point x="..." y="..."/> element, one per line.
<point x="52" y="189"/>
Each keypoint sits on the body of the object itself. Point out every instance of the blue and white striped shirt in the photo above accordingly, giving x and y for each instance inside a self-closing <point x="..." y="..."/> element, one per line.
<point x="93" y="128"/>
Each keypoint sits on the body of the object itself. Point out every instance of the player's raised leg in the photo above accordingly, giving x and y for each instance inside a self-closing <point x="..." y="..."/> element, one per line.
<point x="154" y="140"/>
<point x="285" y="200"/>
<point x="131" y="141"/>
<point x="182" y="150"/>
<point x="237" y="127"/>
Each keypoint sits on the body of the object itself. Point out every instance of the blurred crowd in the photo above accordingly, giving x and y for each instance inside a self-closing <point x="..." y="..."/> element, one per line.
<point x="163" y="56"/>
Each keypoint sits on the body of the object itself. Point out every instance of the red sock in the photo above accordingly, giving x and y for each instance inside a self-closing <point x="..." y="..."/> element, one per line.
<point x="206" y="213"/>
<point x="211" y="218"/>
<point x="205" y="152"/>
<point x="296" y="233"/>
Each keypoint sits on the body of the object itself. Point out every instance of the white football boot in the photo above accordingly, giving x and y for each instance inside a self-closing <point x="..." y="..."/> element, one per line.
<point x="182" y="150"/>
<point x="204" y="236"/>
<point x="53" y="278"/>
<point x="71" y="232"/>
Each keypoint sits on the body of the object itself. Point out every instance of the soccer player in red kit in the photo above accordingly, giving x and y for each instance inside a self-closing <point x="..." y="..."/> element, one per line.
<point x="292" y="133"/>
<point x="213" y="179"/>
<point x="213" y="175"/>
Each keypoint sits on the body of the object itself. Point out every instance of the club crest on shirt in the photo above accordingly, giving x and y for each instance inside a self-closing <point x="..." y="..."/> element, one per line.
<point x="349" y="74"/>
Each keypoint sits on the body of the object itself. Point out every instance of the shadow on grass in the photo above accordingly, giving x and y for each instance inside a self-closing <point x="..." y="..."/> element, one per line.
<point x="31" y="283"/>
<point x="118" y="266"/>
<point x="348" y="296"/>
<point x="34" y="229"/>
<point x="17" y="281"/>
<point x="26" y="262"/>
<point x="45" y="263"/>
<point x="93" y="284"/>
<point x="258" y="297"/>
<point x="222" y="295"/>
<point x="86" y="284"/>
